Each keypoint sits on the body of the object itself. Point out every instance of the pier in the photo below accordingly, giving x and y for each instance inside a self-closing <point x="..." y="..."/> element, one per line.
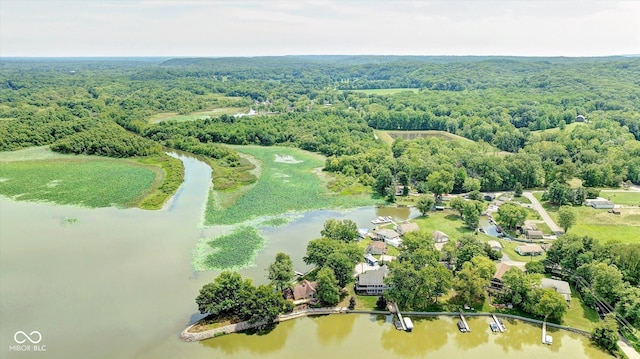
<point x="400" y="323"/>
<point x="464" y="323"/>
<point x="500" y="325"/>
<point x="546" y="339"/>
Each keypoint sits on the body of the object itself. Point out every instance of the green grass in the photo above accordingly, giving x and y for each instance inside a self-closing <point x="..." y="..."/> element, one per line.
<point x="281" y="188"/>
<point x="389" y="91"/>
<point x="76" y="180"/>
<point x="580" y="315"/>
<point x="569" y="128"/>
<point x="411" y="135"/>
<point x="446" y="221"/>
<point x="600" y="224"/>
<point x="199" y="115"/>
<point x="232" y="251"/>
<point x="627" y="198"/>
<point x="169" y="178"/>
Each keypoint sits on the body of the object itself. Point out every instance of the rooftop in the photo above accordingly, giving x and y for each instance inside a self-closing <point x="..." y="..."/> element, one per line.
<point x="373" y="277"/>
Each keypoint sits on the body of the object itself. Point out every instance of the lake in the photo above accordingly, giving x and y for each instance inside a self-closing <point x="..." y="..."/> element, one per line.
<point x="110" y="283"/>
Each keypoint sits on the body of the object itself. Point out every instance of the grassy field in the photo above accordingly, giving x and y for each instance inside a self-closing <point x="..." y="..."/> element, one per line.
<point x="580" y="315"/>
<point x="390" y="91"/>
<point x="287" y="183"/>
<point x="174" y="116"/>
<point x="446" y="221"/>
<point x="602" y="225"/>
<point x="74" y="180"/>
<point x="567" y="129"/>
<point x="170" y="174"/>
<point x="626" y="198"/>
<point x="232" y="251"/>
<point x="411" y="135"/>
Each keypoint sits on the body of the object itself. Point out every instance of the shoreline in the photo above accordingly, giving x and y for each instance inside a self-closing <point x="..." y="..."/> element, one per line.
<point x="187" y="336"/>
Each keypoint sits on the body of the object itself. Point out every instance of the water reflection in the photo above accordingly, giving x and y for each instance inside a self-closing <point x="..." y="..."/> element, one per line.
<point x="334" y="329"/>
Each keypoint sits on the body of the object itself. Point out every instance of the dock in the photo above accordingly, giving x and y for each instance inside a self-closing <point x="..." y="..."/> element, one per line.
<point x="546" y="339"/>
<point x="500" y="325"/>
<point x="400" y="321"/>
<point x="464" y="323"/>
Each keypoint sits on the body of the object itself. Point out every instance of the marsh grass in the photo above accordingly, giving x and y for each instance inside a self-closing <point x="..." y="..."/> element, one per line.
<point x="281" y="188"/>
<point x="76" y="180"/>
<point x="231" y="251"/>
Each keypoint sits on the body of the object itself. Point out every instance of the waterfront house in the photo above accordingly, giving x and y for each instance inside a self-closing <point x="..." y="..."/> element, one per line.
<point x="372" y="282"/>
<point x="363" y="233"/>
<point x="304" y="290"/>
<point x="406" y="227"/>
<point x="385" y="234"/>
<point x="496" y="281"/>
<point x="377" y="248"/>
<point x="559" y="286"/>
<point x="529" y="250"/>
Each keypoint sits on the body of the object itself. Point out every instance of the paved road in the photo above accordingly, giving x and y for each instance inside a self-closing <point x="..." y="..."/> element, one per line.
<point x="628" y="350"/>
<point x="543" y="213"/>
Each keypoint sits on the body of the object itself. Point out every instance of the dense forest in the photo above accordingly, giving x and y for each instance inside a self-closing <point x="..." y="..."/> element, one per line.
<point x="520" y="113"/>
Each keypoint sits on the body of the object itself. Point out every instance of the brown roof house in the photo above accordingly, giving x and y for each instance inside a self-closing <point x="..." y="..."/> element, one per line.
<point x="304" y="290"/>
<point x="529" y="250"/>
<point x="376" y="247"/>
<point x="404" y="228"/>
<point x="440" y="237"/>
<point x="496" y="281"/>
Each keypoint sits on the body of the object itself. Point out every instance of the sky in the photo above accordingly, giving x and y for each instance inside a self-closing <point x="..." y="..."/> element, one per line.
<point x="52" y="28"/>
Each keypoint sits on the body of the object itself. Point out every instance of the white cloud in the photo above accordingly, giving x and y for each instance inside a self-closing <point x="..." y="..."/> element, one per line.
<point x="249" y="28"/>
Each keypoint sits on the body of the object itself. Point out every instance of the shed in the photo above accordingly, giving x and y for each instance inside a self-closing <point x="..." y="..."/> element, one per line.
<point x="495" y="245"/>
<point x="440" y="237"/>
<point x="535" y="235"/>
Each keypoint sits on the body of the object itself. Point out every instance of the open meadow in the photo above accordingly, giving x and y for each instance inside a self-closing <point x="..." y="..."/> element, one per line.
<point x="389" y="136"/>
<point x="388" y="91"/>
<point x="602" y="225"/>
<point x="288" y="182"/>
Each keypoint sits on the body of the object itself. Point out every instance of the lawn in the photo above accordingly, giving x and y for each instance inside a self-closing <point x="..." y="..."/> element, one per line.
<point x="580" y="315"/>
<point x="600" y="224"/>
<point x="389" y="91"/>
<point x="199" y="115"/>
<point x="627" y="198"/>
<point x="288" y="182"/>
<point x="447" y="221"/>
<point x="86" y="181"/>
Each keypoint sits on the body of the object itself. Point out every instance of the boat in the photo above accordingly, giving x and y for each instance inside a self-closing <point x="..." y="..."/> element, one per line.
<point x="381" y="220"/>
<point x="408" y="323"/>
<point x="548" y="339"/>
<point x="461" y="326"/>
<point x="494" y="327"/>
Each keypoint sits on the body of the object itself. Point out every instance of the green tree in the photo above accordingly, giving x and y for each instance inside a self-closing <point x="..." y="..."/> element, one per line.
<point x="281" y="272"/>
<point x="457" y="203"/>
<point x="475" y="195"/>
<point x="510" y="215"/>
<point x="607" y="282"/>
<point x="517" y="191"/>
<point x="342" y="268"/>
<point x="265" y="305"/>
<point x="468" y="247"/>
<point x="328" y="290"/>
<point x="547" y="303"/>
<point x="471" y="213"/>
<point x="342" y="230"/>
<point x="440" y="182"/>
<point x="535" y="267"/>
<point x="318" y="250"/>
<point x="424" y="204"/>
<point x="469" y="283"/>
<point x="566" y="217"/>
<point x="605" y="333"/>
<point x="226" y="295"/>
<point x="384" y="179"/>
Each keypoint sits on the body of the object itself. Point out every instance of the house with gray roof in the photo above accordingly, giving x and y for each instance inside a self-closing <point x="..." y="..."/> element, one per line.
<point x="372" y="282"/>
<point x="559" y="286"/>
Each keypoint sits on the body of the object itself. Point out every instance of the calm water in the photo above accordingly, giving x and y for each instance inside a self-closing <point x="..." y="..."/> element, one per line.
<point x="119" y="284"/>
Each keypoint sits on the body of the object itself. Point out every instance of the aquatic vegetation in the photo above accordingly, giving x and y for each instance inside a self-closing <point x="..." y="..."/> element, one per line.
<point x="283" y="186"/>
<point x="232" y="251"/>
<point x="275" y="222"/>
<point x="84" y="181"/>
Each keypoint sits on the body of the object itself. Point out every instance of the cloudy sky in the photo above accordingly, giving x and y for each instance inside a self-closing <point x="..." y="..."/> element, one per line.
<point x="253" y="28"/>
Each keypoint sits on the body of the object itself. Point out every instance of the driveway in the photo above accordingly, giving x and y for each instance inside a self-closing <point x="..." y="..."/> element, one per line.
<point x="543" y="213"/>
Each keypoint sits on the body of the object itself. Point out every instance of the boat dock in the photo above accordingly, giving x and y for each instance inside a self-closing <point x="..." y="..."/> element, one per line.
<point x="464" y="323"/>
<point x="498" y="323"/>
<point x="546" y="339"/>
<point x="400" y="323"/>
